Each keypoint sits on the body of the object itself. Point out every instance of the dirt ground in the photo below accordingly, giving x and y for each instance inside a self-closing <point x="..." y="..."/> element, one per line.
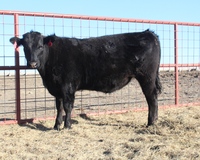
<point x="176" y="136"/>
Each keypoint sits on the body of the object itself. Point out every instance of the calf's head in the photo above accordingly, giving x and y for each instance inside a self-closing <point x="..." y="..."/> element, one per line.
<point x="35" y="47"/>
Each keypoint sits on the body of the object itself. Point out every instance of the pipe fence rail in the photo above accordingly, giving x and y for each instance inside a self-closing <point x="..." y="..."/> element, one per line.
<point x="24" y="99"/>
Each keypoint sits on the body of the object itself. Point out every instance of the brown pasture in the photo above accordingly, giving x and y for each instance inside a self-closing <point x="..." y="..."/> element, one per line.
<point x="176" y="135"/>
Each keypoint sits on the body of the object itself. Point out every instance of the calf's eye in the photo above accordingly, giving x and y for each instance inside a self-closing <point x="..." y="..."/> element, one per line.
<point x="40" y="47"/>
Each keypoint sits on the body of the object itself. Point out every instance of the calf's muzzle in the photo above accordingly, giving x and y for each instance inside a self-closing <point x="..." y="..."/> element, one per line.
<point x="33" y="64"/>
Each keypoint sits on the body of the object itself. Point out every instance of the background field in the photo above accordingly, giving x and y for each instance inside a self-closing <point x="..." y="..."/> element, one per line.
<point x="36" y="102"/>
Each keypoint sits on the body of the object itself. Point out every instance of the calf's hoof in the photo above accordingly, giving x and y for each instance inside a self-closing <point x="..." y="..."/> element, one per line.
<point x="57" y="127"/>
<point x="67" y="127"/>
<point x="150" y="123"/>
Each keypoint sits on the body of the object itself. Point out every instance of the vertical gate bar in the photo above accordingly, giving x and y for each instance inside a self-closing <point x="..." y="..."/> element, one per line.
<point x="17" y="71"/>
<point x="176" y="64"/>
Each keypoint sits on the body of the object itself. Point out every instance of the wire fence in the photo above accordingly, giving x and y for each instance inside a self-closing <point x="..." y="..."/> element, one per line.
<point x="24" y="98"/>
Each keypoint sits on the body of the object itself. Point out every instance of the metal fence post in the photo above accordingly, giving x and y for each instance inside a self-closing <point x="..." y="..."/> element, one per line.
<point x="17" y="71"/>
<point x="176" y="64"/>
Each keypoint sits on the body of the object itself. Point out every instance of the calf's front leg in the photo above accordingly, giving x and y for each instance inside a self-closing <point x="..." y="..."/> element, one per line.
<point x="59" y="117"/>
<point x="68" y="106"/>
<point x="68" y="103"/>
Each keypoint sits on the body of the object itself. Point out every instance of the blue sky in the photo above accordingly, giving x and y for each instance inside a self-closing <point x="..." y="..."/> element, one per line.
<point x="170" y="10"/>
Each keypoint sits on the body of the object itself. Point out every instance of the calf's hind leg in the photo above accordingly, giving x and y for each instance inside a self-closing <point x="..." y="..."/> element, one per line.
<point x="149" y="89"/>
<point x="153" y="108"/>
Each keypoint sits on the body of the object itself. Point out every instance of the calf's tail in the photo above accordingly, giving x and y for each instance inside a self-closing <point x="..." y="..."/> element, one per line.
<point x="158" y="84"/>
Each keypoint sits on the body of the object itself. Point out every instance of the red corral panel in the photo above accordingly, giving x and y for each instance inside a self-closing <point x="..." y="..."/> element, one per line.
<point x="24" y="98"/>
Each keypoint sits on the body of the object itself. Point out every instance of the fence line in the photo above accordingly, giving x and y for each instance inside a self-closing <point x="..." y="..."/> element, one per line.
<point x="174" y="37"/>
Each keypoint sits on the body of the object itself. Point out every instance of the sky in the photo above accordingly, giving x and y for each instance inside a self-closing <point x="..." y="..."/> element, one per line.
<point x="168" y="10"/>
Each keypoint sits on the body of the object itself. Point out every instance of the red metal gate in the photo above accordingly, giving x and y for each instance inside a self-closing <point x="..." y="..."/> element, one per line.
<point x="23" y="97"/>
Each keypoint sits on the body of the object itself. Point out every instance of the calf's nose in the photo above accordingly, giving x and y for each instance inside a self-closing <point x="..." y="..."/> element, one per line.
<point x="33" y="64"/>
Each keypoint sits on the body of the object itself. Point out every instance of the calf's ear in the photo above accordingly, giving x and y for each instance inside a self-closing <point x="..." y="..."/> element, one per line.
<point x="17" y="40"/>
<point x="49" y="40"/>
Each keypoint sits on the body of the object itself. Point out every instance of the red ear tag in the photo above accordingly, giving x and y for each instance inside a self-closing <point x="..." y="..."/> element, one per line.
<point x="50" y="44"/>
<point x="15" y="45"/>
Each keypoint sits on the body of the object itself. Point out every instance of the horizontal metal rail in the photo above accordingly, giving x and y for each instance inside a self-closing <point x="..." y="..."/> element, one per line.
<point x="71" y="16"/>
<point x="161" y="65"/>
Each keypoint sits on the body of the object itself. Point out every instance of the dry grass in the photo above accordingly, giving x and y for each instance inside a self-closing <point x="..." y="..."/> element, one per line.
<point x="124" y="136"/>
